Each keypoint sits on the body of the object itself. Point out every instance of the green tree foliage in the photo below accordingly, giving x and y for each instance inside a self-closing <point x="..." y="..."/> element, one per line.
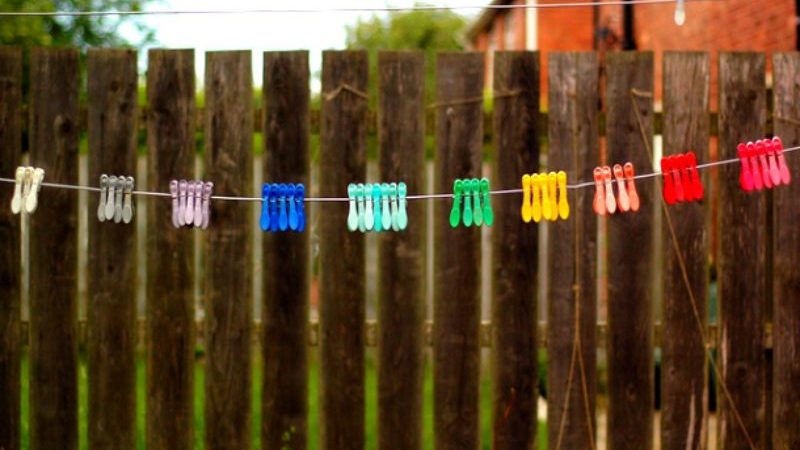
<point x="430" y="31"/>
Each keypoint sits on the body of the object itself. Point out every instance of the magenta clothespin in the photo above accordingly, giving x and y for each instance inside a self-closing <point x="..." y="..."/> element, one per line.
<point x="777" y="146"/>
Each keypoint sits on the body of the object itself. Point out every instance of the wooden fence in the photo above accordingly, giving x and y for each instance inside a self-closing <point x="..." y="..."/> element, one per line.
<point x="756" y="343"/>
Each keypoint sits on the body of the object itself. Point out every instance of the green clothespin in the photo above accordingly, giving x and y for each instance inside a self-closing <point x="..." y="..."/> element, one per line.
<point x="352" y="216"/>
<point x="360" y="200"/>
<point x="455" y="213"/>
<point x="476" y="200"/>
<point x="369" y="212"/>
<point x="402" y="214"/>
<point x="488" y="214"/>
<point x="468" y="214"/>
<point x="386" y="211"/>
<point x="376" y="204"/>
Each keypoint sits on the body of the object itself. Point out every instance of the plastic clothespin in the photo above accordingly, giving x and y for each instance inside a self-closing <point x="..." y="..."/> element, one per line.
<point x="361" y="206"/>
<point x="283" y="213"/>
<point x="189" y="208"/>
<point x="599" y="203"/>
<point x="755" y="166"/>
<point x="772" y="157"/>
<point x="477" y="209"/>
<point x="101" y="207"/>
<point x="274" y="209"/>
<point x="455" y="212"/>
<point x="563" y="198"/>
<point x="369" y="209"/>
<point x="668" y="189"/>
<point x="611" y="202"/>
<point x="545" y="189"/>
<point x="552" y="184"/>
<point x="291" y="193"/>
<point x="766" y="164"/>
<point x="127" y="204"/>
<point x="182" y="190"/>
<point x="16" y="199"/>
<point x="488" y="213"/>
<point x="686" y="178"/>
<point x="526" y="210"/>
<point x="536" y="194"/>
<point x="111" y="196"/>
<point x="375" y="195"/>
<point x="300" y="199"/>
<point x="694" y="177"/>
<point x="745" y="175"/>
<point x="677" y="182"/>
<point x="627" y="169"/>
<point x="395" y="206"/>
<point x="352" y="215"/>
<point x="208" y="189"/>
<point x="198" y="203"/>
<point x="623" y="201"/>
<point x="777" y="146"/>
<point x="32" y="197"/>
<point x="173" y="191"/>
<point x="118" y="196"/>
<point x="386" y="209"/>
<point x="467" y="215"/>
<point x="402" y="213"/>
<point x="266" y="192"/>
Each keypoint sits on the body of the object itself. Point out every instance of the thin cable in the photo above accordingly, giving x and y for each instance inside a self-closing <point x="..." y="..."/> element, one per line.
<point x="323" y="10"/>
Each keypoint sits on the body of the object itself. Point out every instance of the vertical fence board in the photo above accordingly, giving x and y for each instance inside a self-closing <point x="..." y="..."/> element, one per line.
<point x="742" y="269"/>
<point x="515" y="249"/>
<point x="572" y="256"/>
<point x="342" y="286"/>
<point x="786" y="313"/>
<point x="684" y="375"/>
<point x="229" y="163"/>
<point x="286" y="264"/>
<point x="457" y="260"/>
<point x="401" y="90"/>
<point x="112" y="112"/>
<point x="170" y="253"/>
<point x="630" y="256"/>
<point x="10" y="282"/>
<point x="53" y="244"/>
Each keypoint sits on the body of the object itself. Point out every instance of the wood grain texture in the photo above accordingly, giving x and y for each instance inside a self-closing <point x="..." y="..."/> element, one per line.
<point x="286" y="256"/>
<point x="515" y="246"/>
<point x="170" y="253"/>
<point x="457" y="254"/>
<point x="229" y="270"/>
<point x="630" y="256"/>
<point x="742" y="254"/>
<point x="401" y="131"/>
<point x="684" y="421"/>
<point x="53" y="251"/>
<point x="786" y="251"/>
<point x="112" y="113"/>
<point x="341" y="259"/>
<point x="10" y="276"/>
<point x="572" y="256"/>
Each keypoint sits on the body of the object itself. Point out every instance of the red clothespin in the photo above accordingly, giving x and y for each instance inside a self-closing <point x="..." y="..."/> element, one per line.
<point x="746" y="174"/>
<point x="632" y="194"/>
<point x="774" y="170"/>
<point x="623" y="200"/>
<point x="696" y="184"/>
<point x="599" y="203"/>
<point x="668" y="190"/>
<point x="755" y="166"/>
<point x="777" y="146"/>
<point x="677" y="165"/>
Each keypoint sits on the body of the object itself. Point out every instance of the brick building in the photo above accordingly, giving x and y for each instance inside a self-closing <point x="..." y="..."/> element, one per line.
<point x="762" y="25"/>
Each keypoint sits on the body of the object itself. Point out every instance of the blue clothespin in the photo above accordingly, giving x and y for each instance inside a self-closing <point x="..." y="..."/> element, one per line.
<point x="283" y="217"/>
<point x="274" y="224"/>
<point x="290" y="194"/>
<point x="266" y="190"/>
<point x="300" y="199"/>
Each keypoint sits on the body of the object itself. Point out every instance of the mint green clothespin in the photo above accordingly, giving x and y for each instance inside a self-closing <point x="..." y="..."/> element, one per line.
<point x="476" y="200"/>
<point x="455" y="213"/>
<point x="402" y="214"/>
<point x="362" y="214"/>
<point x="376" y="204"/>
<point x="369" y="212"/>
<point x="386" y="211"/>
<point x="488" y="214"/>
<point x="352" y="216"/>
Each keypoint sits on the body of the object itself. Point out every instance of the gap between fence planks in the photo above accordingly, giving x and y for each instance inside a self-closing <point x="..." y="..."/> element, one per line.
<point x="10" y="268"/>
<point x="514" y="260"/>
<point x="286" y="273"/>
<point x="53" y="251"/>
<point x="457" y="255"/>
<point x="401" y="86"/>
<point x="170" y="254"/>
<point x="111" y="311"/>
<point x="742" y="258"/>
<point x="786" y="250"/>
<point x="629" y="135"/>
<point x="342" y="287"/>
<point x="228" y="275"/>
<point x="572" y="256"/>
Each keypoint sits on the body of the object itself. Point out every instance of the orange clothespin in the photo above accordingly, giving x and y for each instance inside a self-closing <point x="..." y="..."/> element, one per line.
<point x="599" y="193"/>
<point x="632" y="194"/>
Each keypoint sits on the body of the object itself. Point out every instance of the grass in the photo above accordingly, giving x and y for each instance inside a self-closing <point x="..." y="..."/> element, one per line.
<point x="371" y="385"/>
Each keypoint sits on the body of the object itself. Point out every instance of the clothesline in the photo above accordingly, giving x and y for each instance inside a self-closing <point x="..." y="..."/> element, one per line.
<point x="579" y="185"/>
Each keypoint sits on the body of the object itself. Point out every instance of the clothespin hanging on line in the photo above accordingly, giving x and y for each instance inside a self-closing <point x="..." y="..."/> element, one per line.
<point x="191" y="203"/>
<point x="476" y="210"/>
<point x="763" y="165"/>
<point x="545" y="196"/>
<point x="377" y="207"/>
<point x="627" y="198"/>
<point x="116" y="199"/>
<point x="283" y="207"/>
<point x="27" y="184"/>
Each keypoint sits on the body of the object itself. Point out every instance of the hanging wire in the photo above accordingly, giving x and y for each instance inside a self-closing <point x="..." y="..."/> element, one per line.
<point x="323" y="10"/>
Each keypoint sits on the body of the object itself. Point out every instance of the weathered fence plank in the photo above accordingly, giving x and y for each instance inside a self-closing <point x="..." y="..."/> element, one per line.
<point x="286" y="256"/>
<point x="515" y="249"/>
<point x="742" y="258"/>
<point x="572" y="257"/>
<point x="229" y="270"/>
<point x="53" y="251"/>
<point x="629" y="136"/>
<point x="170" y="253"/>
<point x="684" y="369"/>
<point x="457" y="260"/>
<point x="342" y="286"/>
<point x="401" y="312"/>
<point x="786" y="248"/>
<point x="10" y="282"/>
<point x="111" y="311"/>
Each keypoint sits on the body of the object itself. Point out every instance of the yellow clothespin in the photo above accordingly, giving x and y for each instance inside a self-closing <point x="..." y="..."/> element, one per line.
<point x="545" y="187"/>
<point x="526" y="212"/>
<point x="552" y="185"/>
<point x="563" y="202"/>
<point x="536" y="207"/>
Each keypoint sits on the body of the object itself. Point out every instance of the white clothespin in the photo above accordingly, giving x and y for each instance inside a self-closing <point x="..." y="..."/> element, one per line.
<point x="127" y="207"/>
<point x="16" y="200"/>
<point x="189" y="212"/>
<point x="680" y="12"/>
<point x="32" y="195"/>
<point x="182" y="186"/>
<point x="110" y="196"/>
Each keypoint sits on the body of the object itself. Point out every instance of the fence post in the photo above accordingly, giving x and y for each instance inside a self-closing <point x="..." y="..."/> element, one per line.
<point x="684" y="368"/>
<point x="401" y="92"/>
<point x="515" y="250"/>
<point x="629" y="135"/>
<point x="228" y="276"/>
<point x="53" y="244"/>
<point x="286" y="256"/>
<point x="10" y="147"/>
<point x="342" y="288"/>
<point x="572" y="256"/>
<point x="742" y="259"/>
<point x="170" y="253"/>
<point x="786" y="313"/>
<point x="457" y="260"/>
<point x="111" y="271"/>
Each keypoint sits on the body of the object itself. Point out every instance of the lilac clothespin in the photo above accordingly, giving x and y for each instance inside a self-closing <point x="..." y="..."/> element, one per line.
<point x="173" y="191"/>
<point x="207" y="189"/>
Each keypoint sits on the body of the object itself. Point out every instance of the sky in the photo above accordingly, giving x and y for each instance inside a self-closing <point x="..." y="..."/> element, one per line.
<point x="261" y="32"/>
